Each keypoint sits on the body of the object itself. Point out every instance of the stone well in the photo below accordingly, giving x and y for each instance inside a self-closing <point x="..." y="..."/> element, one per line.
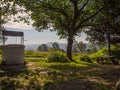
<point x="13" y="54"/>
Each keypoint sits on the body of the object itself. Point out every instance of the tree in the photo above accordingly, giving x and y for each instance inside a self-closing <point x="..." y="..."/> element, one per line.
<point x="9" y="8"/>
<point x="55" y="46"/>
<point x="78" y="47"/>
<point x="42" y="47"/>
<point x="107" y="29"/>
<point x="82" y="47"/>
<point x="67" y="17"/>
<point x="75" y="48"/>
<point x="1" y="26"/>
<point x="107" y="26"/>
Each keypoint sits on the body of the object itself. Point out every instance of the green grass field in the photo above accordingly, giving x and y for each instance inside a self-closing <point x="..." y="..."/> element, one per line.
<point x="39" y="74"/>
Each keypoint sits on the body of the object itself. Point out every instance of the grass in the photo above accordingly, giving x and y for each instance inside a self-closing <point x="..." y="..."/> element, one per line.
<point x="31" y="53"/>
<point x="43" y="75"/>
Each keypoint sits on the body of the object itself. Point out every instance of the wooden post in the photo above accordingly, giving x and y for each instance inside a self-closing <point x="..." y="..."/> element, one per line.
<point x="22" y="40"/>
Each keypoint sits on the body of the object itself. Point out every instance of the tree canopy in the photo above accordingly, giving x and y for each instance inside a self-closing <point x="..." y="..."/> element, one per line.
<point x="106" y="29"/>
<point x="67" y="17"/>
<point x="7" y="8"/>
<point x="107" y="21"/>
<point x="42" y="47"/>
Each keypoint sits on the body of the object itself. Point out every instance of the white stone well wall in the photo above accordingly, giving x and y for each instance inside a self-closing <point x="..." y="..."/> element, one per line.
<point x="13" y="54"/>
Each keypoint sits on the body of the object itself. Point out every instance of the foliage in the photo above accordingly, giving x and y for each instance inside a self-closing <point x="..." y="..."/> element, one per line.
<point x="67" y="17"/>
<point x="106" y="25"/>
<point x="10" y="10"/>
<point x="102" y="52"/>
<point x="55" y="46"/>
<point x="82" y="47"/>
<point x="7" y="8"/>
<point x="85" y="58"/>
<point x="75" y="48"/>
<point x="43" y="47"/>
<point x="57" y="57"/>
<point x="115" y="51"/>
<point x="105" y="29"/>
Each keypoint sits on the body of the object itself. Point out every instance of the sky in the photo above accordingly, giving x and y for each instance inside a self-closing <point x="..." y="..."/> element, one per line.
<point x="31" y="36"/>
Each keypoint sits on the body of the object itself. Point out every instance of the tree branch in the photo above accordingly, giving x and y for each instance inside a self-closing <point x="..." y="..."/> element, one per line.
<point x="75" y="4"/>
<point x="48" y="6"/>
<point x="77" y="12"/>
<point x="80" y="24"/>
<point x="83" y="6"/>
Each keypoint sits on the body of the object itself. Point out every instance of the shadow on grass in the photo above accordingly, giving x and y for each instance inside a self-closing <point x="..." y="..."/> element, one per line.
<point x="70" y="73"/>
<point x="11" y="70"/>
<point x="72" y="66"/>
<point x="21" y="78"/>
<point x="64" y="75"/>
<point x="112" y="75"/>
<point x="82" y="84"/>
<point x="10" y="76"/>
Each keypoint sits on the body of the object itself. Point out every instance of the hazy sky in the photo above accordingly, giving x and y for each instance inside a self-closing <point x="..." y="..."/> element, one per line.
<point x="34" y="37"/>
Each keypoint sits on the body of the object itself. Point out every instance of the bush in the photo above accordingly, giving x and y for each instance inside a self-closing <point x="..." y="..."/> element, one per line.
<point x="115" y="51"/>
<point x="57" y="57"/>
<point x="103" y="52"/>
<point x="85" y="58"/>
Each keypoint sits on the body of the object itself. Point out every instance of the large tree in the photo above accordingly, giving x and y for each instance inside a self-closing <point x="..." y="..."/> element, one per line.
<point x="106" y="28"/>
<point x="67" y="17"/>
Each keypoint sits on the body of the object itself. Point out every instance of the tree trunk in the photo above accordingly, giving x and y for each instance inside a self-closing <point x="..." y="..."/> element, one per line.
<point x="69" y="47"/>
<point x="109" y="47"/>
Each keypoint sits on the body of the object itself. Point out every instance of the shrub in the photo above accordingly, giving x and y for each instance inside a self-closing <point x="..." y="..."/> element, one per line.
<point x="85" y="58"/>
<point x="96" y="55"/>
<point x="57" y="57"/>
<point x="115" y="51"/>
